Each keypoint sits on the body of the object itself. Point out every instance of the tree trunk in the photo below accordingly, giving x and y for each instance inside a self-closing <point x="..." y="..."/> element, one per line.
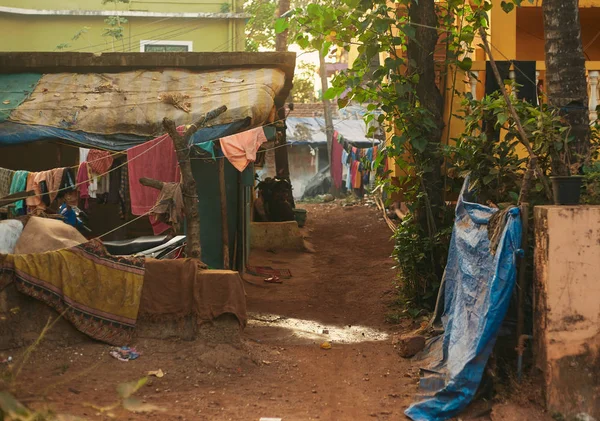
<point x="326" y="110"/>
<point x="188" y="184"/>
<point x="420" y="51"/>
<point x="566" y="79"/>
<point x="281" y="40"/>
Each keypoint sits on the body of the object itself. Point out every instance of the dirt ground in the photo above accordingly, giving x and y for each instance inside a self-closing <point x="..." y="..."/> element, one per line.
<point x="340" y="293"/>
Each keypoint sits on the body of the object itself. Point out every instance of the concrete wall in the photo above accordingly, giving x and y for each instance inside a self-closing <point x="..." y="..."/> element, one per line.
<point x="567" y="307"/>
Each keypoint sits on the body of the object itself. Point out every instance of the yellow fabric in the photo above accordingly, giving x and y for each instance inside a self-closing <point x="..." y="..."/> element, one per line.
<point x="136" y="102"/>
<point x="100" y="294"/>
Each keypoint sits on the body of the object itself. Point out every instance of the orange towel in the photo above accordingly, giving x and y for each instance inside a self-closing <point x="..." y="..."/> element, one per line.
<point x="240" y="149"/>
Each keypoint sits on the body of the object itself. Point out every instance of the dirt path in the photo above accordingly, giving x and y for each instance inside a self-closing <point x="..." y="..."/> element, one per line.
<point x="339" y="293"/>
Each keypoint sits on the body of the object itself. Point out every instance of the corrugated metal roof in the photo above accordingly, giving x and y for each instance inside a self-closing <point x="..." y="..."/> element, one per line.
<point x="311" y="130"/>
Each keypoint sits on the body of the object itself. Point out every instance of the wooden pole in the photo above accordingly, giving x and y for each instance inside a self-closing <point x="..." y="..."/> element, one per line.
<point x="523" y="269"/>
<point x="150" y="182"/>
<point x="532" y="166"/>
<point x="224" y="221"/>
<point x="15" y="197"/>
<point x="188" y="184"/>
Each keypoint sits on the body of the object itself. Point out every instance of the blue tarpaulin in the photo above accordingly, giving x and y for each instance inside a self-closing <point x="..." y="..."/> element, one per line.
<point x="478" y="286"/>
<point x="15" y="134"/>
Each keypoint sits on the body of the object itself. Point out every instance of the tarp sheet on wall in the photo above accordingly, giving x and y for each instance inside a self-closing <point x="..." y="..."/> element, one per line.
<point x="478" y="287"/>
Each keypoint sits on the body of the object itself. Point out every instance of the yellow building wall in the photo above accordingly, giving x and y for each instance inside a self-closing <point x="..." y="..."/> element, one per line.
<point x="45" y="33"/>
<point x="31" y="32"/>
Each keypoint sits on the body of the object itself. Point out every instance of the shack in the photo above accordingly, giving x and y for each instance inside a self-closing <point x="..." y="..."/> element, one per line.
<point x="53" y="104"/>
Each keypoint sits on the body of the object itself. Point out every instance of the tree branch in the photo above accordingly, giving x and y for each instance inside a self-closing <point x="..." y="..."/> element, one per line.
<point x="532" y="166"/>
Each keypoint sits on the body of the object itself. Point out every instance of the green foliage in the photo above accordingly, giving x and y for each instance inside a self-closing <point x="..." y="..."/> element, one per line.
<point x="591" y="171"/>
<point x="391" y="92"/>
<point x="379" y="28"/>
<point x="79" y="34"/>
<point x="260" y="32"/>
<point x="114" y="29"/>
<point x="225" y="7"/>
<point x="304" y="87"/>
<point x="416" y="254"/>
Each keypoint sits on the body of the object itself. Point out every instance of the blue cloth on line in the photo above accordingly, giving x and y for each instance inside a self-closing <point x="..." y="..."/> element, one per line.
<point x="19" y="184"/>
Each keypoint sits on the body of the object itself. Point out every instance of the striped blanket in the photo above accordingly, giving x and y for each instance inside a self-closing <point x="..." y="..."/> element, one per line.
<point x="98" y="293"/>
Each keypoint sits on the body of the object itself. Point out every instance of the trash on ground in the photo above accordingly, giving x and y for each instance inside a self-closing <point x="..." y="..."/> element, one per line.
<point x="274" y="280"/>
<point x="326" y="345"/>
<point x="156" y="373"/>
<point x="124" y="353"/>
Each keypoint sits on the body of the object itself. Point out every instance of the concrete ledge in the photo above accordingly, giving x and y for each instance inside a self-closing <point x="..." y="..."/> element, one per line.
<point x="567" y="307"/>
<point x="276" y="235"/>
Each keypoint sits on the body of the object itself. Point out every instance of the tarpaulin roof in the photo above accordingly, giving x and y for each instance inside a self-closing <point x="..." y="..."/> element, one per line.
<point x="136" y="102"/>
<point x="311" y="130"/>
<point x="14" y="89"/>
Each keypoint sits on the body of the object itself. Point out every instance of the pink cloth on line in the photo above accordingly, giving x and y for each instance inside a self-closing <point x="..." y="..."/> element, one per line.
<point x="240" y="149"/>
<point x="153" y="159"/>
<point x="336" y="161"/>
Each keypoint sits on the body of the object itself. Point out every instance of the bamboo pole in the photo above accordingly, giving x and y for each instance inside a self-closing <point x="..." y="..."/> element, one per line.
<point x="224" y="221"/>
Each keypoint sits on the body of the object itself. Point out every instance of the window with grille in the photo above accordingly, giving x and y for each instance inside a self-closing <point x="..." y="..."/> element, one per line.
<point x="155" y="46"/>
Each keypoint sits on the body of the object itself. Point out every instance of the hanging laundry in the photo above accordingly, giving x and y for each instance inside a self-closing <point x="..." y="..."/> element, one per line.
<point x="103" y="185"/>
<point x="83" y="181"/>
<point x="357" y="179"/>
<point x="83" y="154"/>
<point x="99" y="161"/>
<point x="169" y="205"/>
<point x="114" y="183"/>
<point x="154" y="159"/>
<point x="345" y="158"/>
<point x="6" y="177"/>
<point x="93" y="187"/>
<point x="158" y="226"/>
<point x="19" y="184"/>
<point x="336" y="163"/>
<point x="68" y="190"/>
<point x="354" y="173"/>
<point x="124" y="193"/>
<point x="46" y="186"/>
<point x="32" y="201"/>
<point x="240" y="149"/>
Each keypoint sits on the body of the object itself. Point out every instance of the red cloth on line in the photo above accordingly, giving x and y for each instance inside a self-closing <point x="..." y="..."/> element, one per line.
<point x="357" y="179"/>
<point x="240" y="149"/>
<point x="153" y="159"/>
<point x="99" y="161"/>
<point x="354" y="172"/>
<point x="83" y="181"/>
<point x="336" y="161"/>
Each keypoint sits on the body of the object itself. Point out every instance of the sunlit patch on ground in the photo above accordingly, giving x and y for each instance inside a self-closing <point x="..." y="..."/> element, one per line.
<point x="312" y="330"/>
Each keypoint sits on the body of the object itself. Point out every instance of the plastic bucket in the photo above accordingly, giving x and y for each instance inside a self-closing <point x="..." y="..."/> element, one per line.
<point x="300" y="216"/>
<point x="566" y="189"/>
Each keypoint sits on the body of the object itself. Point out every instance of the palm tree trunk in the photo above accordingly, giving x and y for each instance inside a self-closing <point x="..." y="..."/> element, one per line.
<point x="566" y="79"/>
<point x="420" y="50"/>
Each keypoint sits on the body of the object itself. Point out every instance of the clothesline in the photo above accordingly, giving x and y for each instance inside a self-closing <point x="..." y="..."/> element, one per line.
<point x="127" y="161"/>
